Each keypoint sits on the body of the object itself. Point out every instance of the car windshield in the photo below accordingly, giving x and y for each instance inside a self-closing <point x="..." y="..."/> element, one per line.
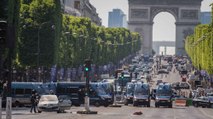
<point x="209" y="94"/>
<point x="49" y="98"/>
<point x="164" y="90"/>
<point x="130" y="89"/>
<point x="99" y="90"/>
<point x="141" y="90"/>
<point x="64" y="97"/>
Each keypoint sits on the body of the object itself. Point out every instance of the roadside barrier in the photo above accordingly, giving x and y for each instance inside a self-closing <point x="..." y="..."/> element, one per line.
<point x="189" y="102"/>
<point x="180" y="102"/>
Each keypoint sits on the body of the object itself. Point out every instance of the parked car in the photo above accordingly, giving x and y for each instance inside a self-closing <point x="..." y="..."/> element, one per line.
<point x="180" y="85"/>
<point x="52" y="103"/>
<point x="164" y="94"/>
<point x="202" y="101"/>
<point x="65" y="102"/>
<point x="163" y="71"/>
<point x="141" y="94"/>
<point x="210" y="97"/>
<point x="129" y="93"/>
<point x="184" y="85"/>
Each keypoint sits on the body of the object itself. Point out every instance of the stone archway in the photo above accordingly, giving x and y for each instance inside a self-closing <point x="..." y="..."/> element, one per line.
<point x="142" y="13"/>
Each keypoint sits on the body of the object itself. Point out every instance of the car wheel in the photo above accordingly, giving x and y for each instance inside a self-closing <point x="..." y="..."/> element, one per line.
<point x="77" y="105"/>
<point x="17" y="104"/>
<point x="39" y="111"/>
<point x="126" y="102"/>
<point x="170" y="106"/>
<point x="58" y="111"/>
<point x="97" y="104"/>
<point x="210" y="105"/>
<point x="156" y="105"/>
<point x="196" y="104"/>
<point x="135" y="103"/>
<point x="106" y="105"/>
<point x="148" y="105"/>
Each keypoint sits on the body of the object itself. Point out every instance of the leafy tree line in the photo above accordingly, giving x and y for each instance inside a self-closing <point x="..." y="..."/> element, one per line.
<point x="47" y="37"/>
<point x="199" y="47"/>
<point x="81" y="39"/>
<point x="39" y="32"/>
<point x="9" y="12"/>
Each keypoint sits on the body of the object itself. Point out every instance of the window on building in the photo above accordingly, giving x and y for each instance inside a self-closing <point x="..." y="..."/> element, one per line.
<point x="77" y="5"/>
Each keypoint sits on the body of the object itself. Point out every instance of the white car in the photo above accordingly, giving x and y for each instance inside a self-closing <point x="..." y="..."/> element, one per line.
<point x="52" y="103"/>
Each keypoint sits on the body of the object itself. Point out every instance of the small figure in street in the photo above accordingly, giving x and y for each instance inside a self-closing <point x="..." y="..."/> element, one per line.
<point x="33" y="103"/>
<point x="37" y="100"/>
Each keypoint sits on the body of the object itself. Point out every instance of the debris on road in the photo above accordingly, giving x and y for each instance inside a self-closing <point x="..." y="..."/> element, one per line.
<point x="138" y="113"/>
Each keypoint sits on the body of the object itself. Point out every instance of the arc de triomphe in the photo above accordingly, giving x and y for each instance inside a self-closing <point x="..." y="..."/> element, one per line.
<point x="142" y="13"/>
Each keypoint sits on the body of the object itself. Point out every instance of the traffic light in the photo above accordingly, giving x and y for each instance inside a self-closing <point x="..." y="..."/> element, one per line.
<point x="122" y="75"/>
<point x="87" y="65"/>
<point x="116" y="75"/>
<point x="3" y="33"/>
<point x="136" y="75"/>
<point x="4" y="9"/>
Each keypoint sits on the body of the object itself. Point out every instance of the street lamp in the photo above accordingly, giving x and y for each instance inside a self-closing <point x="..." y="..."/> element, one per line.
<point x="14" y="74"/>
<point x="38" y="47"/>
<point x="66" y="54"/>
<point x="39" y="74"/>
<point x="27" y="74"/>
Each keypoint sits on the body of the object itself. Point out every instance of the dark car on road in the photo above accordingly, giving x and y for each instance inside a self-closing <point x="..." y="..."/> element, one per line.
<point x="201" y="101"/>
<point x="129" y="93"/>
<point x="141" y="94"/>
<point x="163" y="71"/>
<point x="164" y="94"/>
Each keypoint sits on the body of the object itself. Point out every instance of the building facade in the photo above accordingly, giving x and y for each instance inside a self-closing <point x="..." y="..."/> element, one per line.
<point x="143" y="12"/>
<point x="205" y="17"/>
<point x="117" y="19"/>
<point x="81" y="8"/>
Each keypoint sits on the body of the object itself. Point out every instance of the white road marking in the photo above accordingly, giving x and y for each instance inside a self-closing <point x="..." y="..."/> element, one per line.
<point x="204" y="113"/>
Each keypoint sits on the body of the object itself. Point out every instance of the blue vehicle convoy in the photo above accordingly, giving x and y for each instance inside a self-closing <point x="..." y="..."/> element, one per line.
<point x="108" y="88"/>
<point x="76" y="92"/>
<point x="129" y="93"/>
<point x="123" y="80"/>
<point x="164" y="94"/>
<point x="99" y="96"/>
<point x="141" y="94"/>
<point x="22" y="91"/>
<point x="49" y="87"/>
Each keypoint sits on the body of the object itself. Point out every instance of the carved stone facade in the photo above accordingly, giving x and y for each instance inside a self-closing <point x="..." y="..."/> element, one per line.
<point x="155" y="10"/>
<point x="139" y="13"/>
<point x="142" y="13"/>
<point x="189" y="14"/>
<point x="166" y="2"/>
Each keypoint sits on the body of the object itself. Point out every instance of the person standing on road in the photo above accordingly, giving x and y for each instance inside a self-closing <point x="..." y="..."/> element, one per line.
<point x="37" y="97"/>
<point x="33" y="103"/>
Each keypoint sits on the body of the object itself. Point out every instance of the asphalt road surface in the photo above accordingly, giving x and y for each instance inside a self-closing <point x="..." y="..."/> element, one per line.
<point x="125" y="112"/>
